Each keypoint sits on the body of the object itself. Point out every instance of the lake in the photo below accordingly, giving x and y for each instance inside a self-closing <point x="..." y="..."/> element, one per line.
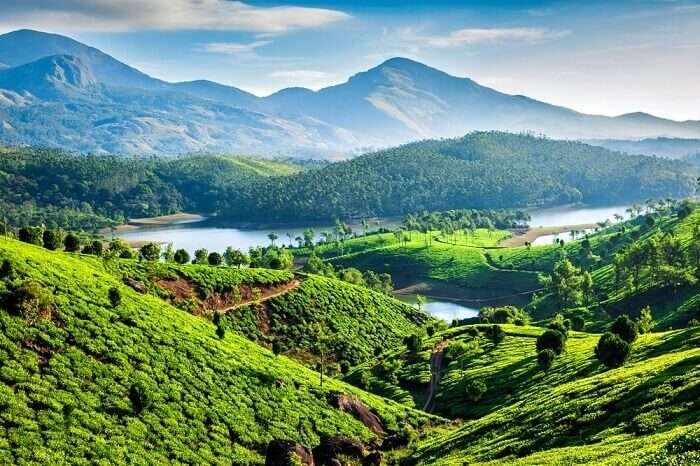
<point x="445" y="310"/>
<point x="192" y="236"/>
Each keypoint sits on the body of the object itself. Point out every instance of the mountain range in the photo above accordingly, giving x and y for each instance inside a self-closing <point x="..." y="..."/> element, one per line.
<point x="55" y="91"/>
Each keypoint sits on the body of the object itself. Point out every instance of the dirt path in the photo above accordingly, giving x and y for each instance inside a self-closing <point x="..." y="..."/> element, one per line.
<point x="267" y="294"/>
<point x="532" y="234"/>
<point x="435" y="374"/>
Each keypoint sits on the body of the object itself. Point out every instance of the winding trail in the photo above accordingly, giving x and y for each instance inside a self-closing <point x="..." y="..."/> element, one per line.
<point x="267" y="294"/>
<point x="436" y="359"/>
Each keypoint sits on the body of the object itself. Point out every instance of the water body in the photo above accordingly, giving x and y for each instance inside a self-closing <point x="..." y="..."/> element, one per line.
<point x="445" y="310"/>
<point x="549" y="239"/>
<point x="574" y="215"/>
<point x="192" y="236"/>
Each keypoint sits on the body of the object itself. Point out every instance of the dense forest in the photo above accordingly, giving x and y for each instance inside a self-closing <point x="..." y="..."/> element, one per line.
<point x="478" y="171"/>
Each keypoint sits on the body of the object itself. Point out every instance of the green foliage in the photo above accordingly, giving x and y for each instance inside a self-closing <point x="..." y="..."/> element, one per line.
<point x="31" y="235"/>
<point x="412" y="342"/>
<point x="612" y="350"/>
<point x="497" y="334"/>
<point x="578" y="323"/>
<point x="71" y="242"/>
<point x="52" y="239"/>
<point x="545" y="358"/>
<point x="551" y="340"/>
<point x="150" y="252"/>
<point x="475" y="390"/>
<point x="235" y="257"/>
<point x="625" y="328"/>
<point x="181" y="256"/>
<point x="32" y="301"/>
<point x="152" y="376"/>
<point x="503" y="315"/>
<point x="645" y="322"/>
<point x="115" y="296"/>
<point x="214" y="258"/>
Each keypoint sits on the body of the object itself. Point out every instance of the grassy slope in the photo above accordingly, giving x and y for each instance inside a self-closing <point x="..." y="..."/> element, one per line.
<point x="462" y="265"/>
<point x="357" y="319"/>
<point x="65" y="385"/>
<point x="578" y="403"/>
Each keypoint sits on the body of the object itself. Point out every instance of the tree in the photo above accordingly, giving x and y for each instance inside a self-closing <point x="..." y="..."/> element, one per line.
<point x="612" y="350"/>
<point x="551" y="339"/>
<point x="235" y="257"/>
<point x="71" y="242"/>
<point x="545" y="358"/>
<point x="150" y="252"/>
<point x="321" y="343"/>
<point x="168" y="254"/>
<point x="115" y="296"/>
<point x="625" y="328"/>
<point x="53" y="239"/>
<point x="309" y="237"/>
<point x="352" y="275"/>
<point x="120" y="248"/>
<point x="497" y="334"/>
<point x="7" y="270"/>
<point x="201" y="256"/>
<point x="567" y="284"/>
<point x="421" y="301"/>
<point x="316" y="265"/>
<point x="214" y="258"/>
<point x="475" y="390"/>
<point x="578" y="323"/>
<point x="272" y="237"/>
<point x="412" y="342"/>
<point x="181" y="256"/>
<point x="220" y="328"/>
<point x="277" y="347"/>
<point x="31" y="235"/>
<point x="96" y="248"/>
<point x="646" y="320"/>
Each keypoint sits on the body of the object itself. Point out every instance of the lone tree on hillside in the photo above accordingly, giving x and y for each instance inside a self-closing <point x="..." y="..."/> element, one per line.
<point x="115" y="296"/>
<point x="612" y="350"/>
<point x="272" y="237"/>
<point x="235" y="257"/>
<point x="475" y="390"/>
<point x="214" y="258"/>
<point x="150" y="252"/>
<point x="181" y="256"/>
<point x="53" y="239"/>
<point x="71" y="242"/>
<point x="545" y="359"/>
<point x="625" y="328"/>
<point x="201" y="256"/>
<point x="552" y="340"/>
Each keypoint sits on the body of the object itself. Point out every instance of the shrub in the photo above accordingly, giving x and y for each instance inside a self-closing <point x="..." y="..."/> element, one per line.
<point x="120" y="248"/>
<point x="475" y="390"/>
<point x="7" y="270"/>
<point x="412" y="342"/>
<point x="625" y="328"/>
<point x="612" y="350"/>
<point x="150" y="252"/>
<point x="201" y="256"/>
<point x="71" y="242"/>
<point x="52" y="239"/>
<point x="344" y="367"/>
<point x="646" y="423"/>
<point x="646" y="320"/>
<point x="115" y="296"/>
<point x="497" y="334"/>
<point x="181" y="256"/>
<point x="277" y="347"/>
<point x="551" y="339"/>
<point x="31" y="235"/>
<point x="545" y="359"/>
<point x="96" y="248"/>
<point x="33" y="302"/>
<point x="214" y="258"/>
<point x="503" y="315"/>
<point x="577" y="323"/>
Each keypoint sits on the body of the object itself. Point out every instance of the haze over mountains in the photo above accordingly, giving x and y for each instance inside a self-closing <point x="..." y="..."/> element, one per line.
<point x="55" y="91"/>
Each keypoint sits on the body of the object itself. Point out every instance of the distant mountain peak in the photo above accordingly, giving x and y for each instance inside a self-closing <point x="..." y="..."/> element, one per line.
<point x="49" y="76"/>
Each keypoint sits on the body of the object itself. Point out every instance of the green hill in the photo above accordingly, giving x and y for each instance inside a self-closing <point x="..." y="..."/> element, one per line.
<point x="289" y="309"/>
<point x="480" y="170"/>
<point x="85" y="382"/>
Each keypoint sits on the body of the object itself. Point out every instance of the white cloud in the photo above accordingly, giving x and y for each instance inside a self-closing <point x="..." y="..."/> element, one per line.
<point x="474" y="36"/>
<point x="232" y="48"/>
<point x="162" y="15"/>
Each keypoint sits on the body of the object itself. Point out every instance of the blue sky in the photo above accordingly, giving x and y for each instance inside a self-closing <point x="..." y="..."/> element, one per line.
<point x="597" y="56"/>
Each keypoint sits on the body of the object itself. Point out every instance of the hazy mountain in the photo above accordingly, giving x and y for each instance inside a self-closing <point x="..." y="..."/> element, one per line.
<point x="57" y="91"/>
<point x="672" y="148"/>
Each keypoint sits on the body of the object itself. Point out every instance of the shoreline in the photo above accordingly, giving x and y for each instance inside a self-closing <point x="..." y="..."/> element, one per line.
<point x="521" y="237"/>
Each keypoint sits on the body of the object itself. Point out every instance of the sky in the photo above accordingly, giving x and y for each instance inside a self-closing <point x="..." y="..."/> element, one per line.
<point x="602" y="57"/>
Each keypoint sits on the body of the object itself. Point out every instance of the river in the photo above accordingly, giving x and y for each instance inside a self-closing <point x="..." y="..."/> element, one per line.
<point x="192" y="236"/>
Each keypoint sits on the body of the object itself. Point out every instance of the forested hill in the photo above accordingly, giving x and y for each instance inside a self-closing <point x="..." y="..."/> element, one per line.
<point x="480" y="170"/>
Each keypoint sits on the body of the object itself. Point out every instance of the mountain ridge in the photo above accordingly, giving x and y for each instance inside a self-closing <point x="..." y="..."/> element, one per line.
<point x="398" y="101"/>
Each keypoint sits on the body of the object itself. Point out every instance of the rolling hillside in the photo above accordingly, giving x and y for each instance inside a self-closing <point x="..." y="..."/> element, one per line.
<point x="86" y="381"/>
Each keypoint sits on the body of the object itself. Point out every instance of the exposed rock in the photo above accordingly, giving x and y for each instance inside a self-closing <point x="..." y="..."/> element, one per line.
<point x="330" y="448"/>
<point x="285" y="452"/>
<point x="362" y="413"/>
